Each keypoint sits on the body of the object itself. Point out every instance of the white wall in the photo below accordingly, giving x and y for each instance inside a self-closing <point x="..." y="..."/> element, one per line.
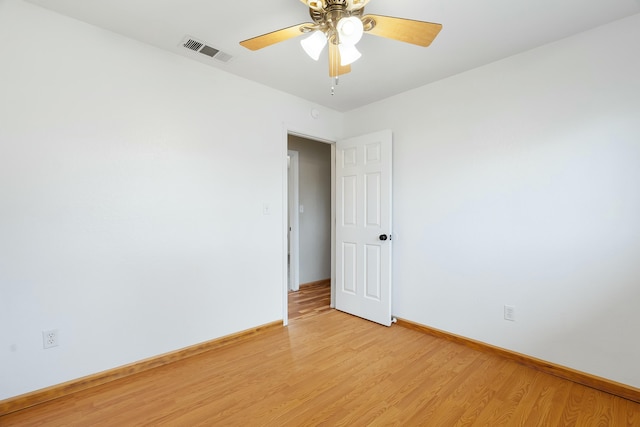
<point x="132" y="183"/>
<point x="519" y="183"/>
<point x="315" y="196"/>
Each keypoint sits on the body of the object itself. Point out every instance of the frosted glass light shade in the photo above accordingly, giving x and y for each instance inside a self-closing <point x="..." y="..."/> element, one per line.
<point x="348" y="54"/>
<point x="314" y="44"/>
<point x="350" y="30"/>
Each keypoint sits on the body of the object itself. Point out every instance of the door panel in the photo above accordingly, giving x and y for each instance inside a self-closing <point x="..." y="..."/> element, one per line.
<point x="349" y="272"/>
<point x="349" y="202"/>
<point x="363" y="260"/>
<point x="372" y="270"/>
<point x="373" y="198"/>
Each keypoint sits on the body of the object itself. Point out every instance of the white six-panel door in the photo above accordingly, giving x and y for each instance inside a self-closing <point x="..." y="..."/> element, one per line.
<point x="363" y="226"/>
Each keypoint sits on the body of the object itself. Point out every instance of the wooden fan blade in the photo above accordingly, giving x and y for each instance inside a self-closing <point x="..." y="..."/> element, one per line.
<point x="335" y="69"/>
<point x="405" y="30"/>
<point x="275" y="36"/>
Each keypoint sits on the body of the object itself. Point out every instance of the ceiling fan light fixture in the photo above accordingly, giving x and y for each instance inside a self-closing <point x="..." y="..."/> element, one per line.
<point x="314" y="44"/>
<point x="356" y="4"/>
<point x="350" y="30"/>
<point x="315" y="4"/>
<point x="341" y="24"/>
<point x="348" y="54"/>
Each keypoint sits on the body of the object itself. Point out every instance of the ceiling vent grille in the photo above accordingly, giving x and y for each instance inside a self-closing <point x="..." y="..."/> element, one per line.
<point x="201" y="47"/>
<point x="193" y="45"/>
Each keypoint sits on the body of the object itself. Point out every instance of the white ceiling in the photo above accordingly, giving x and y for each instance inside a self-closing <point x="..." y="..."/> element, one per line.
<point x="475" y="32"/>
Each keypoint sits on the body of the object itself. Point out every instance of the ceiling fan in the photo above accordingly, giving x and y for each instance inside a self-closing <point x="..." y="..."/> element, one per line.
<point x="341" y="24"/>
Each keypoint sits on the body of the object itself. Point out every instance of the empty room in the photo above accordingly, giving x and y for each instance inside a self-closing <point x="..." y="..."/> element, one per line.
<point x="481" y="213"/>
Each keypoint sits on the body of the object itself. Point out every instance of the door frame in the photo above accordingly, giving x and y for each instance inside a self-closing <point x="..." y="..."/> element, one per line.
<point x="293" y="192"/>
<point x="285" y="206"/>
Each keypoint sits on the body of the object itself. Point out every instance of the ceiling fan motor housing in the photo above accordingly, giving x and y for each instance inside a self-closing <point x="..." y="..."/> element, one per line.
<point x="328" y="17"/>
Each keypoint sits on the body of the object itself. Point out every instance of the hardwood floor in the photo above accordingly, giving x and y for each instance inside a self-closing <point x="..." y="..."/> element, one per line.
<point x="310" y="300"/>
<point x="329" y="368"/>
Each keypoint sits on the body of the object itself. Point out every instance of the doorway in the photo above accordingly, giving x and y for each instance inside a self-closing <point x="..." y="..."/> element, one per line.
<point x="309" y="214"/>
<point x="364" y="172"/>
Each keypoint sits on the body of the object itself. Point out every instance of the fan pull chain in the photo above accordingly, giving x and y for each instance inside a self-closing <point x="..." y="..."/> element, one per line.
<point x="333" y="86"/>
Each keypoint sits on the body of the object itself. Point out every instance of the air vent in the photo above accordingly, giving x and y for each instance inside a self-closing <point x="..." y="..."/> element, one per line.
<point x="201" y="47"/>
<point x="224" y="57"/>
<point x="193" y="45"/>
<point x="209" y="51"/>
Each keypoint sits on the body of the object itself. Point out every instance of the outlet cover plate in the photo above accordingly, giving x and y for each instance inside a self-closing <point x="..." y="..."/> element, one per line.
<point x="50" y="338"/>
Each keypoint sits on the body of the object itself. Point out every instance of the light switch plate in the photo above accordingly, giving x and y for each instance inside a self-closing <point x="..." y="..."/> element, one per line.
<point x="510" y="313"/>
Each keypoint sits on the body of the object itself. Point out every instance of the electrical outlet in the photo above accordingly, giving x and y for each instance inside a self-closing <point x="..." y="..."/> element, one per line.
<point x="50" y="338"/>
<point x="510" y="313"/>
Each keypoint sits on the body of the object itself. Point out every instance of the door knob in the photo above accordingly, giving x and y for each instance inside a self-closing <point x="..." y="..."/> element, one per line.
<point x="383" y="237"/>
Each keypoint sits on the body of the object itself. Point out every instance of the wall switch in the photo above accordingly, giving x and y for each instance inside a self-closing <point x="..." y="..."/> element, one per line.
<point x="266" y="209"/>
<point x="301" y="209"/>
<point x="510" y="313"/>
<point x="50" y="338"/>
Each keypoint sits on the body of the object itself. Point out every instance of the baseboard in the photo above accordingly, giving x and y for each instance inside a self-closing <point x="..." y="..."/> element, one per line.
<point x="598" y="383"/>
<point x="317" y="282"/>
<point x="54" y="392"/>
